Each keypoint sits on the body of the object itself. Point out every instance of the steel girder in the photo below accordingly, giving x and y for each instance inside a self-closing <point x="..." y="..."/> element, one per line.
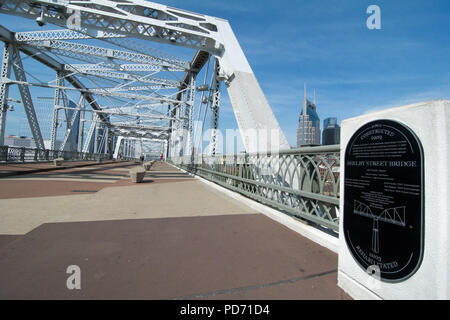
<point x="112" y="112"/>
<point x="90" y="134"/>
<point x="188" y="86"/>
<point x="106" y="92"/>
<point x="147" y="20"/>
<point x="136" y="18"/>
<point x="68" y="133"/>
<point x="82" y="50"/>
<point x="4" y="88"/>
<point x="215" y="103"/>
<point x="135" y="67"/>
<point x="8" y="37"/>
<point x="96" y="91"/>
<point x="127" y="125"/>
<point x="189" y="114"/>
<point x="117" y="146"/>
<point x="59" y="87"/>
<point x="117" y="39"/>
<point x="159" y="82"/>
<point x="81" y="126"/>
<point x="56" y="104"/>
<point x="96" y="137"/>
<point x="27" y="101"/>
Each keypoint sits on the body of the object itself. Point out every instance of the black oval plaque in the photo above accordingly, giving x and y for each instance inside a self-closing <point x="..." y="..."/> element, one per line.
<point x="384" y="199"/>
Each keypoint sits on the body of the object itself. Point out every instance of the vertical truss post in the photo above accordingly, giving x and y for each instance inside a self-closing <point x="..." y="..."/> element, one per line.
<point x="69" y="136"/>
<point x="117" y="147"/>
<point x="215" y="108"/>
<point x="26" y="99"/>
<point x="69" y="131"/>
<point x="174" y="131"/>
<point x="132" y="149"/>
<point x="170" y="133"/>
<point x="112" y="137"/>
<point x="81" y="126"/>
<point x="190" y="114"/>
<point x="96" y="137"/>
<point x="90" y="134"/>
<point x="56" y="104"/>
<point x="4" y="88"/>
<point x="101" y="145"/>
<point x="179" y="127"/>
<point x="125" y="148"/>
<point x="106" y="137"/>
<point x="54" y="127"/>
<point x="165" y="149"/>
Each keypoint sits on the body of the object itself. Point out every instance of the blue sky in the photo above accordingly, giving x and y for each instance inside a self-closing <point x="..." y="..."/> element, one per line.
<point x="327" y="45"/>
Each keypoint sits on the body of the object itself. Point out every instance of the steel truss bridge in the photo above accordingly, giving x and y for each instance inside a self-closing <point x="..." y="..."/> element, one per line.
<point x="116" y="91"/>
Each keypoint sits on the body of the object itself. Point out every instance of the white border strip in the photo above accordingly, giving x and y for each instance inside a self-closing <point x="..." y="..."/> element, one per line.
<point x="354" y="289"/>
<point x="319" y="237"/>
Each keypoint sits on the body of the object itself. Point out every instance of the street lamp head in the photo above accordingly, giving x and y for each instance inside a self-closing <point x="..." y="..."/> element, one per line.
<point x="41" y="19"/>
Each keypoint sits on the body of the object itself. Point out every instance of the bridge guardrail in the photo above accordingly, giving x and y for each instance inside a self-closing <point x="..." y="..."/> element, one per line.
<point x="301" y="182"/>
<point x="21" y="154"/>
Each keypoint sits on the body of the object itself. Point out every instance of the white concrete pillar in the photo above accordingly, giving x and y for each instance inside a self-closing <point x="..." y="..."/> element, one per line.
<point x="379" y="211"/>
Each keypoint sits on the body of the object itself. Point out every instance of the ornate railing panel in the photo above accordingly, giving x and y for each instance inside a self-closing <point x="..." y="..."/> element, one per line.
<point x="302" y="182"/>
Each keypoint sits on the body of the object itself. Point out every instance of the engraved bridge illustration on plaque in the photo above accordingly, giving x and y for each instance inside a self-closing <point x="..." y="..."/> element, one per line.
<point x="394" y="216"/>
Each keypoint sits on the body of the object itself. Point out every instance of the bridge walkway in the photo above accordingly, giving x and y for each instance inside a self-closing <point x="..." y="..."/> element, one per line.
<point x="170" y="237"/>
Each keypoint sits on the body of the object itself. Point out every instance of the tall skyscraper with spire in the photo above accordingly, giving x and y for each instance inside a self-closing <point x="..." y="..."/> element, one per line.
<point x="308" y="132"/>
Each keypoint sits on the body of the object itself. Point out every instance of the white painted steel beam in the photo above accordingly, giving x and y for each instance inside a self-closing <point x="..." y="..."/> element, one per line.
<point x="4" y="89"/>
<point x="156" y="22"/>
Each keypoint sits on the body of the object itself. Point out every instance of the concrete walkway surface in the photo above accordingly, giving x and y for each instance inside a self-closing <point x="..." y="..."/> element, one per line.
<point x="170" y="237"/>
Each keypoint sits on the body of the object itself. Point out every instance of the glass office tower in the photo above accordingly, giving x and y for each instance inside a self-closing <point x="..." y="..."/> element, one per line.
<point x="308" y="132"/>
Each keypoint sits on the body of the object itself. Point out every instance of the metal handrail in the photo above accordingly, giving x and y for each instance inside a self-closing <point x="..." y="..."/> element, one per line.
<point x="302" y="182"/>
<point x="10" y="154"/>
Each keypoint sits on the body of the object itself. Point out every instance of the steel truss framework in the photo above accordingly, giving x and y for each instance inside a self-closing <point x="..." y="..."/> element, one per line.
<point x="130" y="82"/>
<point x="134" y="91"/>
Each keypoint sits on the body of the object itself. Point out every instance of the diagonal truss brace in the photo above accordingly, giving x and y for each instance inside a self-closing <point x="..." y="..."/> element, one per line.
<point x="26" y="98"/>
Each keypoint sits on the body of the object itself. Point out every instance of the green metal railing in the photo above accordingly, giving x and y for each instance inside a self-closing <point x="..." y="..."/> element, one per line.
<point x="21" y="154"/>
<point x="302" y="182"/>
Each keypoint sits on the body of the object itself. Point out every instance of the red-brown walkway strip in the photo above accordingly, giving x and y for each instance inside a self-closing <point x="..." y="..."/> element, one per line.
<point x="169" y="257"/>
<point x="13" y="169"/>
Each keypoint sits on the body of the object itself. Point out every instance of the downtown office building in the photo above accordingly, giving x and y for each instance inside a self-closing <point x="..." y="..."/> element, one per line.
<point x="308" y="132"/>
